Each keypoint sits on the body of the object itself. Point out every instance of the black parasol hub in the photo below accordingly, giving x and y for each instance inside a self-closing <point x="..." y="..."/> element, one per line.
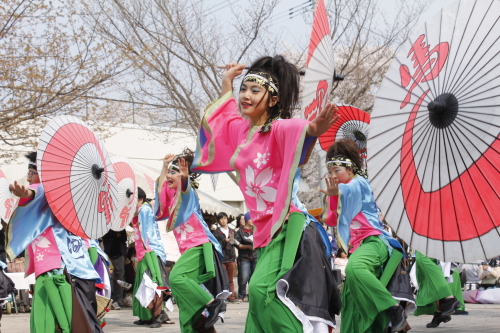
<point x="129" y="193"/>
<point x="97" y="171"/>
<point x="443" y="110"/>
<point x="360" y="136"/>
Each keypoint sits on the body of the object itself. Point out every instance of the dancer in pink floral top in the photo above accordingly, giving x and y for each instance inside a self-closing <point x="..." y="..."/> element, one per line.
<point x="257" y="137"/>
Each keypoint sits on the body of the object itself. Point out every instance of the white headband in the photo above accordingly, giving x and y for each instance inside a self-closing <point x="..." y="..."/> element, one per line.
<point x="263" y="79"/>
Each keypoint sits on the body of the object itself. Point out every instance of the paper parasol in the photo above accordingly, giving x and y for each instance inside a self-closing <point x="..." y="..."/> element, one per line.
<point x="320" y="71"/>
<point x="434" y="136"/>
<point x="77" y="176"/>
<point x="126" y="198"/>
<point x="8" y="201"/>
<point x="352" y="125"/>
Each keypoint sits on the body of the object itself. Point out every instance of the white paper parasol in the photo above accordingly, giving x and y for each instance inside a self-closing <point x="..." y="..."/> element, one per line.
<point x="434" y="136"/>
<point x="126" y="197"/>
<point x="77" y="177"/>
<point x="320" y="71"/>
<point x="8" y="201"/>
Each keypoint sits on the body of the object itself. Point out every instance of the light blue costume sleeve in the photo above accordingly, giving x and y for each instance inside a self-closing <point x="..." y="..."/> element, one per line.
<point x="350" y="203"/>
<point x="189" y="205"/>
<point x="355" y="197"/>
<point x="27" y="223"/>
<point x="74" y="253"/>
<point x="3" y="265"/>
<point x="151" y="232"/>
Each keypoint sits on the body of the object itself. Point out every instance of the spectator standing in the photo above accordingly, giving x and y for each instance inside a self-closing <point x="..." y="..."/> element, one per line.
<point x="115" y="246"/>
<point x="247" y="255"/>
<point x="225" y="236"/>
<point x="240" y="221"/>
<point x="341" y="262"/>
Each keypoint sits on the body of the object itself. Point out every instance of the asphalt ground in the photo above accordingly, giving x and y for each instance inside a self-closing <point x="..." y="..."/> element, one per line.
<point x="481" y="318"/>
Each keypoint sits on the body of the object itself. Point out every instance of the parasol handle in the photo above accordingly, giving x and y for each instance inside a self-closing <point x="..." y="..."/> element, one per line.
<point x="129" y="193"/>
<point x="303" y="72"/>
<point x="338" y="77"/>
<point x="443" y="110"/>
<point x="436" y="106"/>
<point x="96" y="171"/>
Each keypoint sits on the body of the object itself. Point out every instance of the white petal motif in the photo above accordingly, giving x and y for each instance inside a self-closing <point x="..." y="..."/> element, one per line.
<point x="268" y="193"/>
<point x="261" y="205"/>
<point x="250" y="175"/>
<point x="264" y="177"/>
<point x="250" y="192"/>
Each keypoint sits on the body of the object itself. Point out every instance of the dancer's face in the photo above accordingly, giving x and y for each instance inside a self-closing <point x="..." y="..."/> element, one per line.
<point x="253" y="100"/>
<point x="173" y="179"/>
<point x="342" y="174"/>
<point x="32" y="176"/>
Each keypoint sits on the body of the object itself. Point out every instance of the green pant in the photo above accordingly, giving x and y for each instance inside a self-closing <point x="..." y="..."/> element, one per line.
<point x="150" y="261"/>
<point x="432" y="285"/>
<point x="456" y="289"/>
<point x="188" y="272"/>
<point x="52" y="304"/>
<point x="365" y="300"/>
<point x="266" y="312"/>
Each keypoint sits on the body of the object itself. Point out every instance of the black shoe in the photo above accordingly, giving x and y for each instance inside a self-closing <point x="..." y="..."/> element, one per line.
<point x="141" y="322"/>
<point x="156" y="324"/>
<point x="438" y="319"/>
<point x="449" y="305"/>
<point x="461" y="312"/>
<point x="216" y="307"/>
<point x="398" y="318"/>
<point x="163" y="317"/>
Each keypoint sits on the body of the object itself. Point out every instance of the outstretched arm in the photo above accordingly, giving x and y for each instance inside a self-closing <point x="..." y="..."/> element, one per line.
<point x="232" y="70"/>
<point x="323" y="121"/>
<point x="184" y="171"/>
<point x="21" y="191"/>
<point x="163" y="175"/>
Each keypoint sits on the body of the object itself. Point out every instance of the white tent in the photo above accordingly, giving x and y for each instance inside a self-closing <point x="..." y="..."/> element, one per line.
<point x="145" y="147"/>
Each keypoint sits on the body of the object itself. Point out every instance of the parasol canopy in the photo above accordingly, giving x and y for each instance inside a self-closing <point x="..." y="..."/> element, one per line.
<point x="320" y="71"/>
<point x="352" y="125"/>
<point x="434" y="136"/>
<point x="77" y="176"/>
<point x="8" y="201"/>
<point x="126" y="197"/>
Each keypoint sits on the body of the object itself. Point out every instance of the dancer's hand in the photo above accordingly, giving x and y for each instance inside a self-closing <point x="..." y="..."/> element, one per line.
<point x="332" y="186"/>
<point x="323" y="121"/>
<point x="21" y="191"/>
<point x="167" y="159"/>
<point x="233" y="70"/>
<point x="183" y="168"/>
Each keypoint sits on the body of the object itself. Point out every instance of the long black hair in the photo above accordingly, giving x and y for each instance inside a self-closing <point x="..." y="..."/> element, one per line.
<point x="31" y="156"/>
<point x="142" y="195"/>
<point x="287" y="77"/>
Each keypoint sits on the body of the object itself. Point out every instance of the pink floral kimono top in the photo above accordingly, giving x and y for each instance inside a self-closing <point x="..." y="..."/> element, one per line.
<point x="265" y="161"/>
<point x="182" y="208"/>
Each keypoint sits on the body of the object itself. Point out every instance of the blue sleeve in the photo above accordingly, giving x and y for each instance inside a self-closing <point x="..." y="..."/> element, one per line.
<point x="350" y="205"/>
